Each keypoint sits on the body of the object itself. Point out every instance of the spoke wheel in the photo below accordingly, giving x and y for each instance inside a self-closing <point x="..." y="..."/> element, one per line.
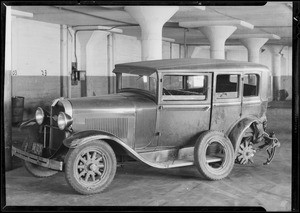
<point x="214" y="155"/>
<point x="90" y="168"/>
<point x="246" y="152"/>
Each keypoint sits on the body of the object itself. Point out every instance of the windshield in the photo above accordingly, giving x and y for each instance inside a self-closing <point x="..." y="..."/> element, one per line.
<point x="140" y="82"/>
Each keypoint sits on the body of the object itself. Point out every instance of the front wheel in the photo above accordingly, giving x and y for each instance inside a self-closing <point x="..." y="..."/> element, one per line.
<point x="90" y="168"/>
<point x="38" y="171"/>
<point x="214" y="155"/>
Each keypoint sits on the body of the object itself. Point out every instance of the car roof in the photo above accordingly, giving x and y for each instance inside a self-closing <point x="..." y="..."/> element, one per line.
<point x="186" y="64"/>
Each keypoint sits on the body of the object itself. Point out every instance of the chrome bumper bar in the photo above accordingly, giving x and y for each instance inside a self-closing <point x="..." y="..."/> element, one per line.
<point x="44" y="162"/>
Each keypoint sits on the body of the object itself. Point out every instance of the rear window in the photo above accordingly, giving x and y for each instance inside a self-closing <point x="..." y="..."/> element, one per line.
<point x="227" y="86"/>
<point x="251" y="83"/>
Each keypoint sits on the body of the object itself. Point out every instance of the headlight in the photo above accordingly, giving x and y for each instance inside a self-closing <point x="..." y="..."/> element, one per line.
<point x="64" y="121"/>
<point x="39" y="115"/>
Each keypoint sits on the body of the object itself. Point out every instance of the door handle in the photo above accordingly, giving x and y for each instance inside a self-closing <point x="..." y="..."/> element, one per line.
<point x="205" y="108"/>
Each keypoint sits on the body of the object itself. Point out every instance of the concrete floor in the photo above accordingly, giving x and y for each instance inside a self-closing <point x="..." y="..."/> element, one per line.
<point x="140" y="185"/>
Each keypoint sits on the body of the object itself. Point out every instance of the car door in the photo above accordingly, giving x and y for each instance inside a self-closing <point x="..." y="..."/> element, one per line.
<point x="183" y="108"/>
<point x="226" y="107"/>
<point x="252" y="103"/>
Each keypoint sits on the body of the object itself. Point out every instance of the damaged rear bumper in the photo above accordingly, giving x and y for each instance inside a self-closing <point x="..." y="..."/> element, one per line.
<point x="38" y="160"/>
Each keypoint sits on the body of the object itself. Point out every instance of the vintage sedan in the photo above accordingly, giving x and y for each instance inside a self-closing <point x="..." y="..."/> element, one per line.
<point x="165" y="113"/>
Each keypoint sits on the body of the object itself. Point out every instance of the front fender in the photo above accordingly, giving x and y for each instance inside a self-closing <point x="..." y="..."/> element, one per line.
<point x="83" y="137"/>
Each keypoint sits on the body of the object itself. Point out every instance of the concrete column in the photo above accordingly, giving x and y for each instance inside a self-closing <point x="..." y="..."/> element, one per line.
<point x="110" y="62"/>
<point x="217" y="36"/>
<point x="151" y="20"/>
<point x="83" y="38"/>
<point x="253" y="46"/>
<point x="7" y="92"/>
<point x="276" y="68"/>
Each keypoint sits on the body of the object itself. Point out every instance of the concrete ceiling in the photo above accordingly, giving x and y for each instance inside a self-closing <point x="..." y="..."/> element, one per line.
<point x="272" y="18"/>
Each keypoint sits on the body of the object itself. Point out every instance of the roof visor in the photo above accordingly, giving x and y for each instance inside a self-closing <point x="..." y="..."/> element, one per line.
<point x="134" y="70"/>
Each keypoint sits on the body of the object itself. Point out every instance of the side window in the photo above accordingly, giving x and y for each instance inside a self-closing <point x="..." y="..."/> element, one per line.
<point x="251" y="82"/>
<point x="227" y="86"/>
<point x="185" y="87"/>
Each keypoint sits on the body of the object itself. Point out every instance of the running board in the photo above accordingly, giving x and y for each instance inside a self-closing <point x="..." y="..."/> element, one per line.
<point x="176" y="163"/>
<point x="172" y="158"/>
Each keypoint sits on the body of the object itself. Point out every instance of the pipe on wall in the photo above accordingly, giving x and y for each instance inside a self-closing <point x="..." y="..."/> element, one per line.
<point x="64" y="72"/>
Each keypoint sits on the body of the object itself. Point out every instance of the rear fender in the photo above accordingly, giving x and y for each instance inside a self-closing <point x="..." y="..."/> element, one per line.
<point x="237" y="132"/>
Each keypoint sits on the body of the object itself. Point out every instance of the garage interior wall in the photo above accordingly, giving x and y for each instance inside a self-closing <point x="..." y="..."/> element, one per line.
<point x="36" y="61"/>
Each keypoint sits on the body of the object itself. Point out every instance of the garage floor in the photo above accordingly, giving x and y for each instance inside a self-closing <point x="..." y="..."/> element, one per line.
<point x="139" y="185"/>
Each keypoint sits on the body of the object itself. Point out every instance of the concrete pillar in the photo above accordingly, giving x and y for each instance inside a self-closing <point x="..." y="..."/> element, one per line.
<point x="110" y="62"/>
<point x="253" y="46"/>
<point x="151" y="20"/>
<point x="7" y="92"/>
<point x="83" y="38"/>
<point x="276" y="68"/>
<point x="217" y="36"/>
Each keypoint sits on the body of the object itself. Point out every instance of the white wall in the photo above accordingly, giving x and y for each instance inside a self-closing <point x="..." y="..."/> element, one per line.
<point x="237" y="54"/>
<point x="96" y="54"/>
<point x="35" y="47"/>
<point x="126" y="49"/>
<point x="198" y="51"/>
<point x="175" y="50"/>
<point x="166" y="50"/>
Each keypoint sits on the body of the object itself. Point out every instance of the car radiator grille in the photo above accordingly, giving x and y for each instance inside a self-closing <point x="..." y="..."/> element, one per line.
<point x="115" y="126"/>
<point x="57" y="135"/>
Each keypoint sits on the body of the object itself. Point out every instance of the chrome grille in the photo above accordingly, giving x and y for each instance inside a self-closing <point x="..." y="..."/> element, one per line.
<point x="116" y="126"/>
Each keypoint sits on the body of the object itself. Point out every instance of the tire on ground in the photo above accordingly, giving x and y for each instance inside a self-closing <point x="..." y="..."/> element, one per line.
<point x="33" y="169"/>
<point x="91" y="167"/>
<point x="38" y="171"/>
<point x="214" y="145"/>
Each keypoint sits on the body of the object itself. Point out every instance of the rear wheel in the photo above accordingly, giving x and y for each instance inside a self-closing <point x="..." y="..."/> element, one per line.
<point x="214" y="155"/>
<point x="90" y="168"/>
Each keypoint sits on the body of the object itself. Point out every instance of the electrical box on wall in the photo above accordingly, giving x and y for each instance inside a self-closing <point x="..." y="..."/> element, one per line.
<point x="77" y="75"/>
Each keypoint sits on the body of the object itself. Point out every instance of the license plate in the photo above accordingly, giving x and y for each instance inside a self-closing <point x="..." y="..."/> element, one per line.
<point x="34" y="148"/>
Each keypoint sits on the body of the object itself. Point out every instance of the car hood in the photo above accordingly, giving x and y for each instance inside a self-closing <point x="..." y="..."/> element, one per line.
<point x="125" y="104"/>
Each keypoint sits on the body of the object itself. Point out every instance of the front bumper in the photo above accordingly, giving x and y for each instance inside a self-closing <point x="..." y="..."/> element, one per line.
<point x="38" y="160"/>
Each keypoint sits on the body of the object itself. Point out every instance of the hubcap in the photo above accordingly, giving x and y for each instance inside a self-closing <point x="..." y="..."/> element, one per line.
<point x="93" y="167"/>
